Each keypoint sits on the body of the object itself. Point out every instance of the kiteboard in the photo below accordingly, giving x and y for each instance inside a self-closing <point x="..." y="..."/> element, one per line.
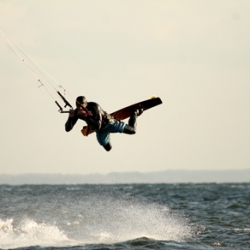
<point x="126" y="112"/>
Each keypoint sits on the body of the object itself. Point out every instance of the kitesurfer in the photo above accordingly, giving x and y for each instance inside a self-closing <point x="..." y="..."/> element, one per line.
<point x="100" y="121"/>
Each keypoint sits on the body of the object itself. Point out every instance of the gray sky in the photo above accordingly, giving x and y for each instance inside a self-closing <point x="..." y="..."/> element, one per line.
<point x="195" y="55"/>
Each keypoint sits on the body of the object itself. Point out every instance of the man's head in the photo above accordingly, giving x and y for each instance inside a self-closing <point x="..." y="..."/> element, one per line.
<point x="81" y="101"/>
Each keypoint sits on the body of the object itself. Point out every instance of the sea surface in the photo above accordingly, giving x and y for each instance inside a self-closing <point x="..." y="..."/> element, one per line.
<point x="132" y="216"/>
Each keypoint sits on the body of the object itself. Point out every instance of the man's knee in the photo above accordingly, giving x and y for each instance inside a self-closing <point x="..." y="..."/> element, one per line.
<point x="108" y="147"/>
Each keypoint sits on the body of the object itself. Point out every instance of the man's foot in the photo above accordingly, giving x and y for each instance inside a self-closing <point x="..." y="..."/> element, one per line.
<point x="138" y="111"/>
<point x="108" y="147"/>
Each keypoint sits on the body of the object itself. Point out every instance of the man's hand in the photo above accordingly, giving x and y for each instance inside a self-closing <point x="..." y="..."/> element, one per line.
<point x="71" y="113"/>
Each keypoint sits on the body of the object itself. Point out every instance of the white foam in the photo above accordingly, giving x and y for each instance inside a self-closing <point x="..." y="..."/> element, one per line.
<point x="6" y="226"/>
<point x="30" y="233"/>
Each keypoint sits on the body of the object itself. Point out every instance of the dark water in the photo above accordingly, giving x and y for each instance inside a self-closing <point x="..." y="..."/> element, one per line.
<point x="139" y="216"/>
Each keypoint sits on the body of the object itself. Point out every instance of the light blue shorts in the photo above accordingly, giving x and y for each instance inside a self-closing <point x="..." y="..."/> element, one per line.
<point x="103" y="136"/>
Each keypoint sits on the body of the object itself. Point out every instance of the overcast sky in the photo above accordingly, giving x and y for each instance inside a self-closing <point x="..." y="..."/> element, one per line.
<point x="193" y="54"/>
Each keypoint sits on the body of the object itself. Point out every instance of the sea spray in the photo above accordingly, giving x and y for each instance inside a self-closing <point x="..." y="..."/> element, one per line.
<point x="87" y="214"/>
<point x="111" y="219"/>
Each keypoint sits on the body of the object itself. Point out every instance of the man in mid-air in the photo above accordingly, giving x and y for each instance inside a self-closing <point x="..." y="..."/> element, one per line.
<point x="100" y="121"/>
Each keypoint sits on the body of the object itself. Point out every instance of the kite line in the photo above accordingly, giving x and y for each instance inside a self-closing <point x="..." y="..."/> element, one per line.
<point x="45" y="80"/>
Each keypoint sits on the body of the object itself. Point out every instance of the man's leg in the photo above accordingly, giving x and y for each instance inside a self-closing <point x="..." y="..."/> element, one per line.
<point x="131" y="127"/>
<point x="103" y="137"/>
<point x="104" y="140"/>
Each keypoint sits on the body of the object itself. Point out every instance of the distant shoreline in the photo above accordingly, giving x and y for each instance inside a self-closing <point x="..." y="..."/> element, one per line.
<point x="168" y="176"/>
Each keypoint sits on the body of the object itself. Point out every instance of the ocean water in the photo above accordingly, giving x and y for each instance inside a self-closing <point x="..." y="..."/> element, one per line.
<point x="137" y="216"/>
